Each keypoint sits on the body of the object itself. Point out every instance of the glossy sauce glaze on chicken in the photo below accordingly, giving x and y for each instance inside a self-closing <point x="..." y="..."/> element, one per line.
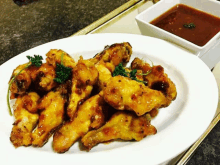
<point x="100" y="101"/>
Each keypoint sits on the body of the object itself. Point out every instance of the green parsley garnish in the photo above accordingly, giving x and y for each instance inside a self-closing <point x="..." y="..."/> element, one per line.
<point x="189" y="26"/>
<point x="62" y="72"/>
<point x="37" y="61"/>
<point x="133" y="74"/>
<point x="120" y="70"/>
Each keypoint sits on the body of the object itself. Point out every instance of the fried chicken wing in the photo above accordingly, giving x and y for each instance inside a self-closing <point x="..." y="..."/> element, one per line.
<point x="85" y="72"/>
<point x="89" y="115"/>
<point x="122" y="93"/>
<point x="44" y="78"/>
<point x="22" y="81"/>
<point x="125" y="126"/>
<point x="25" y="121"/>
<point x="104" y="74"/>
<point x="116" y="53"/>
<point x="78" y="95"/>
<point x="80" y="106"/>
<point x="156" y="79"/>
<point x="30" y="102"/>
<point x="85" y="75"/>
<point x="54" y="57"/>
<point x="52" y="106"/>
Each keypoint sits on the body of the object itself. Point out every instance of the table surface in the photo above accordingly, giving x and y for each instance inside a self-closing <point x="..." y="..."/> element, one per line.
<point x="25" y="27"/>
<point x="22" y="28"/>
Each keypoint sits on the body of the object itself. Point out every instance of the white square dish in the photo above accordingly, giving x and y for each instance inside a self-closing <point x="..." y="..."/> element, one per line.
<point x="143" y="20"/>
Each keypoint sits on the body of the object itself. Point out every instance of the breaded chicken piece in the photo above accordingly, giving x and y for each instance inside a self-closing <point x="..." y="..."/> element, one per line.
<point x="52" y="106"/>
<point x="116" y="53"/>
<point x="78" y="95"/>
<point x="85" y="75"/>
<point x="125" y="126"/>
<point x="89" y="115"/>
<point x="22" y="81"/>
<point x="30" y="102"/>
<point x="105" y="70"/>
<point x="54" y="57"/>
<point x="156" y="79"/>
<point x="122" y="93"/>
<point x="139" y="73"/>
<point x="44" y="78"/>
<point x="140" y="65"/>
<point x="104" y="74"/>
<point x="85" y="72"/>
<point x="153" y="113"/>
<point x="25" y="121"/>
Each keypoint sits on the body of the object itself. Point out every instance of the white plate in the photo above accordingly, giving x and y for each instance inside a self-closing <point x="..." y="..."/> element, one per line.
<point x="178" y="125"/>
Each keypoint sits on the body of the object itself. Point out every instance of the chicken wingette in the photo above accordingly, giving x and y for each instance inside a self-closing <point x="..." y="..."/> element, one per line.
<point x="156" y="79"/>
<point x="44" y="78"/>
<point x="104" y="74"/>
<point x="89" y="115"/>
<point x="116" y="53"/>
<point x="54" y="58"/>
<point x="30" y="102"/>
<point x="122" y="93"/>
<point x="23" y="80"/>
<point x="85" y="75"/>
<point x="125" y="126"/>
<point x="51" y="116"/>
<point x="37" y="78"/>
<point x="25" y="121"/>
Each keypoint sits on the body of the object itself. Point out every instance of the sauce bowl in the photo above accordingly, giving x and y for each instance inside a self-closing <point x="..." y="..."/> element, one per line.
<point x="209" y="6"/>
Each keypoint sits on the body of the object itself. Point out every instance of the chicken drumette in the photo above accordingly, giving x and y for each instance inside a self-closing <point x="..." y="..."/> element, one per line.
<point x="91" y="114"/>
<point x="125" y="126"/>
<point x="25" y="119"/>
<point x="122" y="93"/>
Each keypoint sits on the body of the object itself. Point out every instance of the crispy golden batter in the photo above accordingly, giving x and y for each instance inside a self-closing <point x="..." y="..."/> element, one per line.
<point x="125" y="126"/>
<point x="85" y="72"/>
<point x="50" y="118"/>
<point x="89" y="115"/>
<point x="23" y="81"/>
<point x="85" y="75"/>
<point x="140" y="65"/>
<point x="153" y="113"/>
<point x="104" y="74"/>
<point x="54" y="57"/>
<point x="139" y="75"/>
<point x="44" y="77"/>
<point x="156" y="79"/>
<point x="25" y="121"/>
<point x="123" y="93"/>
<point x="30" y="102"/>
<point x="77" y="97"/>
<point x="115" y="54"/>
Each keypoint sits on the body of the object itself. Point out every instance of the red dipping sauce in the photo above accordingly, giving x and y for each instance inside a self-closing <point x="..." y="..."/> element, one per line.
<point x="191" y="24"/>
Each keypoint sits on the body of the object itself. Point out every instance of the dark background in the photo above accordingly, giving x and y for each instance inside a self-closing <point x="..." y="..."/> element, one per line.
<point x="27" y="26"/>
<point x="208" y="153"/>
